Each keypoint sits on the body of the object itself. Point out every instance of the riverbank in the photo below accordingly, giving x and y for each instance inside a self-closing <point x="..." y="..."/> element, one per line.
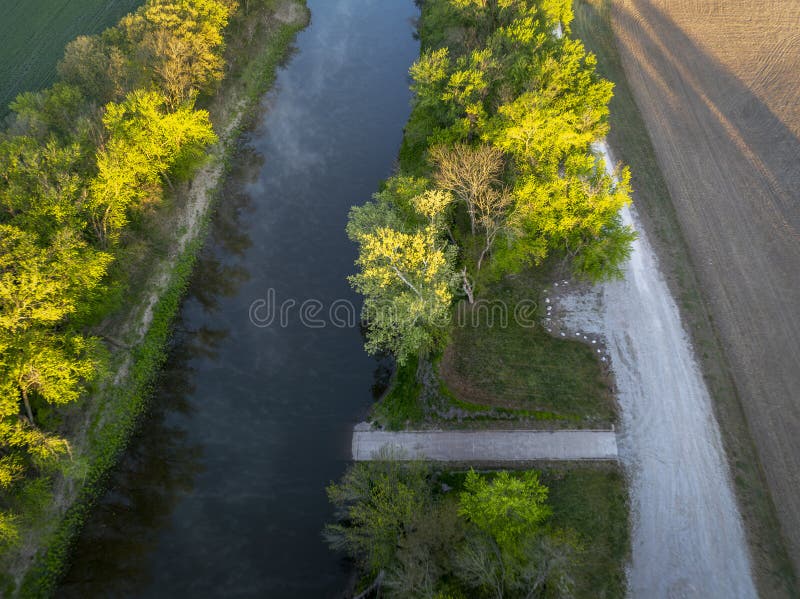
<point x="500" y="367"/>
<point x="631" y="142"/>
<point x="159" y="270"/>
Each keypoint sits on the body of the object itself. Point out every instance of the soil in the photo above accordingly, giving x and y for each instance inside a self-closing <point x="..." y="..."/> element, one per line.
<point x="716" y="82"/>
<point x="688" y="538"/>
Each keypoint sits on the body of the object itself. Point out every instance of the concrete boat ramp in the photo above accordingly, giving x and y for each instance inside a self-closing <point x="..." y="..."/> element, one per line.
<point x="485" y="445"/>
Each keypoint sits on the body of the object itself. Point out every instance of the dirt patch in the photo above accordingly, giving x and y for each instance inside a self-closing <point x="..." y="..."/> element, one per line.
<point x="290" y="13"/>
<point x="715" y="83"/>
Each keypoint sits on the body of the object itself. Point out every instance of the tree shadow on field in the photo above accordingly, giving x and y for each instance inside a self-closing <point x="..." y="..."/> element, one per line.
<point x="752" y="132"/>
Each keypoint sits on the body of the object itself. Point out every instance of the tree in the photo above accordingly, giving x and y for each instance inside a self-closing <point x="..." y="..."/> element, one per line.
<point x="423" y="556"/>
<point x="406" y="271"/>
<point x="507" y="508"/>
<point x="41" y="286"/>
<point x="542" y="569"/>
<point x="145" y="142"/>
<point x="510" y="552"/>
<point x="98" y="66"/>
<point x="491" y="211"/>
<point x="182" y="43"/>
<point x="55" y="111"/>
<point x="575" y="215"/>
<point x="53" y="366"/>
<point x="467" y="172"/>
<point x="39" y="289"/>
<point x="376" y="505"/>
<point x="407" y="280"/>
<point x="42" y="185"/>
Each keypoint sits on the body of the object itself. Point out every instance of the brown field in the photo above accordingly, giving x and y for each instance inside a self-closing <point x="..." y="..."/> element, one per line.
<point x="717" y="84"/>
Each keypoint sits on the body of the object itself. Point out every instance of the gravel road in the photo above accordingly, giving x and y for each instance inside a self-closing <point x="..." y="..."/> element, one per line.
<point x="688" y="537"/>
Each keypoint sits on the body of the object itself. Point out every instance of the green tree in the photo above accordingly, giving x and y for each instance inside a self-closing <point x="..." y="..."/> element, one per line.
<point x="507" y="508"/>
<point x="406" y="274"/>
<point x="42" y="185"/>
<point x="145" y="142"/>
<point x="377" y="504"/>
<point x="56" y="111"/>
<point x="510" y="552"/>
<point x="39" y="289"/>
<point x="182" y="44"/>
<point x="98" y="66"/>
<point x="423" y="556"/>
<point x="576" y="216"/>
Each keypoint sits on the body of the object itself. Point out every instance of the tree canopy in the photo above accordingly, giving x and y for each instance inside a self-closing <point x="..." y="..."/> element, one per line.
<point x="77" y="161"/>
<point x="506" y="114"/>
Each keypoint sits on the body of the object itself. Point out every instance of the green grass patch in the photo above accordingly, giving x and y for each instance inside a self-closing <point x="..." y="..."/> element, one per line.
<point x="34" y="35"/>
<point x="498" y="362"/>
<point x="400" y="405"/>
<point x="591" y="501"/>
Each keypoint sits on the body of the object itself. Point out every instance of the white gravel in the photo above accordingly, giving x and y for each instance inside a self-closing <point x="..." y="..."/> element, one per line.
<point x="688" y="537"/>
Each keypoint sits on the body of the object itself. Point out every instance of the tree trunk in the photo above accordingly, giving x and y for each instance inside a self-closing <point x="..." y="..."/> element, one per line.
<point x="169" y="181"/>
<point x="28" y="407"/>
<point x="467" y="286"/>
<point x="376" y="584"/>
<point x="483" y="253"/>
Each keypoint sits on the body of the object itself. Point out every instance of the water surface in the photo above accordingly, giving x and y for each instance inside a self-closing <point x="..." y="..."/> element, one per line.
<point x="222" y="492"/>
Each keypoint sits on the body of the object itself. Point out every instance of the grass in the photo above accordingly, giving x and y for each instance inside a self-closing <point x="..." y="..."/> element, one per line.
<point x="34" y="35"/>
<point x="591" y="501"/>
<point x="631" y="143"/>
<point x="516" y="367"/>
<point x="400" y="405"/>
<point x="491" y="374"/>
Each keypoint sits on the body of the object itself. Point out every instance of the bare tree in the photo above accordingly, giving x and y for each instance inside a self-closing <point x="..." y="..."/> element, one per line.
<point x="491" y="210"/>
<point x="468" y="173"/>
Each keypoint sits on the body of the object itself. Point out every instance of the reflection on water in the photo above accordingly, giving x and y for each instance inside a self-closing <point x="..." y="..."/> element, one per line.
<point x="222" y="492"/>
<point x="163" y="462"/>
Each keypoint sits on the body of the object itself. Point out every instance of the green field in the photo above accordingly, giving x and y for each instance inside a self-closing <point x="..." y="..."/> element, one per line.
<point x="34" y="33"/>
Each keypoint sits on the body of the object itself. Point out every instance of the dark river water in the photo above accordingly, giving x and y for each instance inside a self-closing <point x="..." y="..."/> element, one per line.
<point x="222" y="491"/>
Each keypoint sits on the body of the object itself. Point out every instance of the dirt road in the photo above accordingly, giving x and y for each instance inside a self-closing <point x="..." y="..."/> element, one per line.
<point x="717" y="82"/>
<point x="688" y="537"/>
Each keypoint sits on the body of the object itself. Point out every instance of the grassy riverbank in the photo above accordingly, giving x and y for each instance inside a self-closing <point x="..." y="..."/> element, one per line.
<point x="155" y="267"/>
<point x="496" y="370"/>
<point x="577" y="544"/>
<point x="488" y="365"/>
<point x="630" y="141"/>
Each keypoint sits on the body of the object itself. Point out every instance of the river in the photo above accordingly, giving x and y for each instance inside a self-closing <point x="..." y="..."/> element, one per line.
<point x="222" y="492"/>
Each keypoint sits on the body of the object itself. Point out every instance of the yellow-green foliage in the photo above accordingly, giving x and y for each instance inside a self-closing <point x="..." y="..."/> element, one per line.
<point x="505" y="115"/>
<point x="78" y="161"/>
<point x="406" y="270"/>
